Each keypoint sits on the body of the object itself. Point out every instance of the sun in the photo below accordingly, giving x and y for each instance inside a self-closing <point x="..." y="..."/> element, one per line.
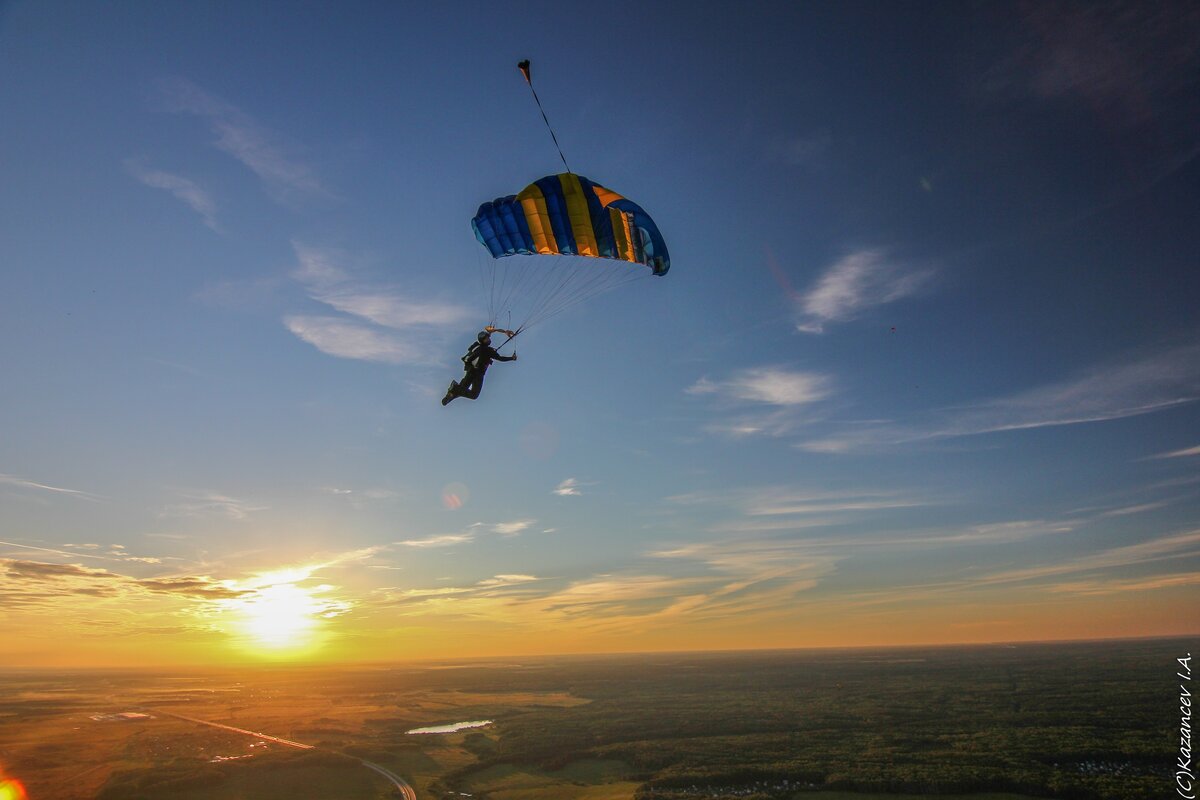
<point x="279" y="614"/>
<point x="11" y="789"/>
<point x="282" y="616"/>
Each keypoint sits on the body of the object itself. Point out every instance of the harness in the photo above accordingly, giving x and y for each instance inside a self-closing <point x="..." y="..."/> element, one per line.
<point x="473" y="357"/>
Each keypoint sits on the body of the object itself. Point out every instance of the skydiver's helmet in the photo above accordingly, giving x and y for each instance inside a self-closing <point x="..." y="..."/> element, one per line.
<point x="484" y="338"/>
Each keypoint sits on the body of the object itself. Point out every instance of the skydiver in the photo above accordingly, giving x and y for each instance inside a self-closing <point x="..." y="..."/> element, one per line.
<point x="475" y="363"/>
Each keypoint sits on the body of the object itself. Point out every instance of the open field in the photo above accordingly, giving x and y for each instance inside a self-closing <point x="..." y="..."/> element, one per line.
<point x="1096" y="720"/>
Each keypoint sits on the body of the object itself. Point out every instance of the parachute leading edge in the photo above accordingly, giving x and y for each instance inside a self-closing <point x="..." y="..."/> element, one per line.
<point x="568" y="214"/>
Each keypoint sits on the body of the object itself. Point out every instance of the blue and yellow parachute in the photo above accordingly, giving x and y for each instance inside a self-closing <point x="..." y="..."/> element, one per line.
<point x="566" y="215"/>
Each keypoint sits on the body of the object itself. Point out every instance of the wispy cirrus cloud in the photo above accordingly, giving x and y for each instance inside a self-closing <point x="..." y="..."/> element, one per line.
<point x="24" y="483"/>
<point x="1101" y="586"/>
<point x="240" y="136"/>
<point x="569" y="487"/>
<point x="506" y="580"/>
<point x="1170" y="547"/>
<point x="390" y="309"/>
<point x="360" y="498"/>
<point x="769" y="401"/>
<point x="183" y="189"/>
<point x="859" y="281"/>
<point x="1186" y="452"/>
<point x="344" y="338"/>
<point x="440" y="540"/>
<point x="435" y="599"/>
<point x="512" y="528"/>
<point x="327" y="280"/>
<point x="207" y="503"/>
<point x="783" y="510"/>
<point x="369" y="494"/>
<point x="767" y="385"/>
<point x="1117" y="59"/>
<point x="790" y="501"/>
<point x="1133" y="67"/>
<point x="382" y="324"/>
<point x="1114" y="391"/>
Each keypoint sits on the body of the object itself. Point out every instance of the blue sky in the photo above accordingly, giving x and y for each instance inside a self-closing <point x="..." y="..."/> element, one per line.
<point x="924" y="368"/>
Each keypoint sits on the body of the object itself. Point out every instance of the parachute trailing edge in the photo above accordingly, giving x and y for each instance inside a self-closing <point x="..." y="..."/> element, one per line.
<point x="568" y="214"/>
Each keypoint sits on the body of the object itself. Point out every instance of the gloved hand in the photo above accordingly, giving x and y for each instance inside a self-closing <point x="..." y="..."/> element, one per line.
<point x="514" y="355"/>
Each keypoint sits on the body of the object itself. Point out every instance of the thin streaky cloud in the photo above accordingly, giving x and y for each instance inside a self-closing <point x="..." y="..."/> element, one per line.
<point x="443" y="540"/>
<point x="507" y="580"/>
<point x="777" y="421"/>
<point x="780" y="506"/>
<point x="183" y="189"/>
<point x="1173" y="547"/>
<point x="351" y="557"/>
<point x="768" y="385"/>
<point x="23" y="483"/>
<point x="319" y="268"/>
<point x="1110" y="392"/>
<point x="512" y="528"/>
<point x="568" y="488"/>
<point x="382" y="324"/>
<point x="241" y="137"/>
<point x="1186" y="452"/>
<point x="326" y="281"/>
<point x="1105" y="587"/>
<point x="58" y="552"/>
<point x="498" y="586"/>
<point x="360" y="497"/>
<point x="786" y="524"/>
<point x="1127" y="61"/>
<point x="1114" y="391"/>
<point x="347" y="339"/>
<point x="855" y="283"/>
<point x="1138" y="509"/>
<point x="392" y="310"/>
<point x="780" y="500"/>
<point x="206" y="504"/>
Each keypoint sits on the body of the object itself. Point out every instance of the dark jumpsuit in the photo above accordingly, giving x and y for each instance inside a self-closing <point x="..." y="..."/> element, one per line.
<point x="475" y="364"/>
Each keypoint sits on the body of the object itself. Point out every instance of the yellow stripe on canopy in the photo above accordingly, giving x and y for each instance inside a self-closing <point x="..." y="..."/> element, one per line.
<point x="620" y="229"/>
<point x="579" y="215"/>
<point x="537" y="217"/>
<point x="606" y="196"/>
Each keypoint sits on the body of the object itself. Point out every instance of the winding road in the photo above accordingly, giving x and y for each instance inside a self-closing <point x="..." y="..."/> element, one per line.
<point x="402" y="786"/>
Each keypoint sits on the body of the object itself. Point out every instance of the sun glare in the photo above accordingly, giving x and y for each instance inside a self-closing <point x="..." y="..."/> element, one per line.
<point x="275" y="616"/>
<point x="11" y="789"/>
<point x="280" y="616"/>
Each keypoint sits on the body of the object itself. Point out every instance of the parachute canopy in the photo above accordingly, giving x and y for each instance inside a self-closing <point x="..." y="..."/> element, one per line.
<point x="568" y="214"/>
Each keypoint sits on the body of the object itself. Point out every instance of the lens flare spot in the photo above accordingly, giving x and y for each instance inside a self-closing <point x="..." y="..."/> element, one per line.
<point x="455" y="496"/>
<point x="11" y="789"/>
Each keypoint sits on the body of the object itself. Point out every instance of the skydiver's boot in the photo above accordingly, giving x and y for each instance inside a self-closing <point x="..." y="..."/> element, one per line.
<point x="451" y="393"/>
